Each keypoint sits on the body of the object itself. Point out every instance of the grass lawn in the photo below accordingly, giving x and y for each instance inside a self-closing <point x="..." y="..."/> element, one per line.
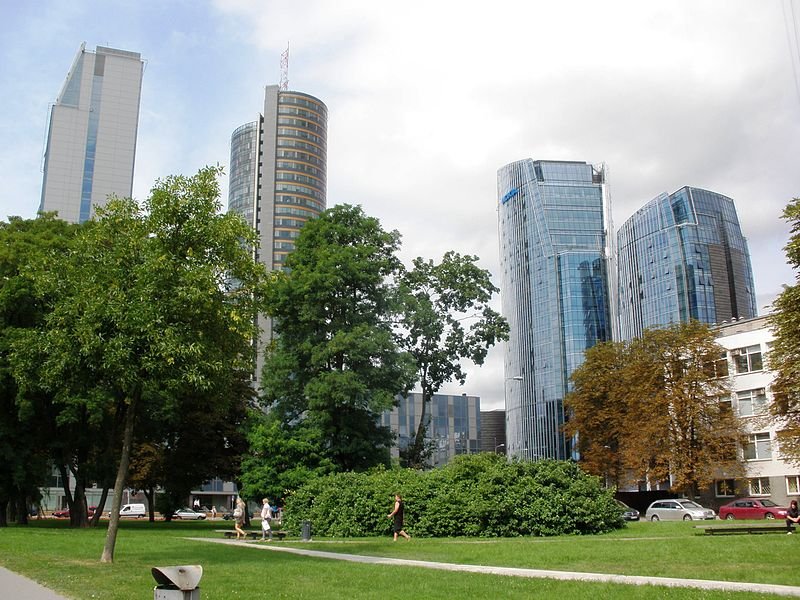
<point x="68" y="561"/>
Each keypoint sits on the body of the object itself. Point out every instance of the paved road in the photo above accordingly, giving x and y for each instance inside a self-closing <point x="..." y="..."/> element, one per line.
<point x="730" y="586"/>
<point x="21" y="588"/>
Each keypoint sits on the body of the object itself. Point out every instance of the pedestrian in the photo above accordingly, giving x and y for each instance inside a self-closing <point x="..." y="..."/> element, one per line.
<point x="792" y="516"/>
<point x="266" y="518"/>
<point x="238" y="518"/>
<point x="397" y="516"/>
<point x="213" y="511"/>
<point x="196" y="504"/>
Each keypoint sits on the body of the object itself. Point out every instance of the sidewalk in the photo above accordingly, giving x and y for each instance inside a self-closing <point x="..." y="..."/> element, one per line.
<point x="674" y="582"/>
<point x="21" y="588"/>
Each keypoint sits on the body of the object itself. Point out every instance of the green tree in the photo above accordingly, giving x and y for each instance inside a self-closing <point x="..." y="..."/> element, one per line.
<point x="335" y="365"/>
<point x="437" y="301"/>
<point x="26" y="429"/>
<point x="784" y="357"/>
<point x="657" y="408"/>
<point x="150" y="303"/>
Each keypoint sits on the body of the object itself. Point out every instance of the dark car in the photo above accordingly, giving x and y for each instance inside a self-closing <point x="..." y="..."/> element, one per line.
<point x="752" y="508"/>
<point x="628" y="513"/>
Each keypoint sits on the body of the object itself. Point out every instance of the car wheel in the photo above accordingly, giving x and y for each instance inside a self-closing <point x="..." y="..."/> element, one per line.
<point x="729" y="517"/>
<point x="769" y="516"/>
<point x="654" y="518"/>
<point x="687" y="517"/>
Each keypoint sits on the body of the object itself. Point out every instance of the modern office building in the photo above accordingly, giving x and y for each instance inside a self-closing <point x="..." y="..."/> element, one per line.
<point x="91" y="139"/>
<point x="454" y="424"/>
<point x="278" y="177"/>
<point x="556" y="260"/>
<point x="683" y="257"/>
<point x="493" y="431"/>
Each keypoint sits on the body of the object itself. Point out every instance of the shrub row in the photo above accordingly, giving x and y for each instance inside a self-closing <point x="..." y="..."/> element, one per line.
<point x="473" y="495"/>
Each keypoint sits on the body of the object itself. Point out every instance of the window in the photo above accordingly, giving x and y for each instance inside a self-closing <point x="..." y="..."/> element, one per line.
<point x="759" y="486"/>
<point x="718" y="367"/>
<point x="751" y="402"/>
<point x="793" y="484"/>
<point x="748" y="359"/>
<point x="758" y="447"/>
<point x="724" y="487"/>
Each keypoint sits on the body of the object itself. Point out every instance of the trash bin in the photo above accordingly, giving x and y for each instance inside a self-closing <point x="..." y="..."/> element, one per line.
<point x="177" y="583"/>
<point x="305" y="533"/>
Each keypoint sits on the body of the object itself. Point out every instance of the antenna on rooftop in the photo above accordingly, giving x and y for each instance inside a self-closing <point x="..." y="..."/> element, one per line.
<point x="284" y="85"/>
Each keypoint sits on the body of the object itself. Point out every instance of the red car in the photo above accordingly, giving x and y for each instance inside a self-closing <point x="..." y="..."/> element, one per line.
<point x="752" y="508"/>
<point x="64" y="514"/>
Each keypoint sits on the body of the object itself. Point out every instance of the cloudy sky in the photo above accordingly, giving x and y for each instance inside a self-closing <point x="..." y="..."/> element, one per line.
<point x="428" y="99"/>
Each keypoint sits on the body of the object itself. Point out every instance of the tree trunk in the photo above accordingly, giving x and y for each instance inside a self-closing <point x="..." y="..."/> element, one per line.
<point x="416" y="455"/>
<point x="101" y="504"/>
<point x="150" y="494"/>
<point x="119" y="484"/>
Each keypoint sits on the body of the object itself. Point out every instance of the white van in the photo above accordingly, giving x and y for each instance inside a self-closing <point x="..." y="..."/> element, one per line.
<point x="132" y="510"/>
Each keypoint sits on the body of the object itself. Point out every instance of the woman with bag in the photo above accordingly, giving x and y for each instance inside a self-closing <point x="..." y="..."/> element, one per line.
<point x="238" y="518"/>
<point x="266" y="517"/>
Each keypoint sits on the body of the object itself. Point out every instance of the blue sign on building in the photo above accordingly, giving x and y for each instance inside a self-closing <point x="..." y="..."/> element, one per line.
<point x="509" y="195"/>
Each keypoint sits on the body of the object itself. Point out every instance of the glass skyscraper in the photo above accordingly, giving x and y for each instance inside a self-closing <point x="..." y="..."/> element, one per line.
<point x="91" y="138"/>
<point x="278" y="176"/>
<point x="683" y="257"/>
<point x="556" y="261"/>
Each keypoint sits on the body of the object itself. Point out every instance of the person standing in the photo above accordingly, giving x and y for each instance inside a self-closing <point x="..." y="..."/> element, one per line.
<point x="397" y="516"/>
<point x="238" y="517"/>
<point x="792" y="516"/>
<point x="266" y="518"/>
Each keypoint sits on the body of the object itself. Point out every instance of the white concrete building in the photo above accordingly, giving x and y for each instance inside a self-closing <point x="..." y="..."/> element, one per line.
<point x="747" y="343"/>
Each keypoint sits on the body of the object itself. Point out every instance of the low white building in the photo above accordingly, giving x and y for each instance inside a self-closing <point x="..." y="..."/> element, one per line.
<point x="747" y="342"/>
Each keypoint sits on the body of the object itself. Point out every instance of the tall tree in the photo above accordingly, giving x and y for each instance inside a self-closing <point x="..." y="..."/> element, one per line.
<point x="335" y="365"/>
<point x="445" y="318"/>
<point x="151" y="302"/>
<point x="26" y="428"/>
<point x="784" y="357"/>
<point x="659" y="407"/>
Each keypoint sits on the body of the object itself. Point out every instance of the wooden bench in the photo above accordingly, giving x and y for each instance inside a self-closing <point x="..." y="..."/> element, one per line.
<point x="253" y="535"/>
<point x="754" y="527"/>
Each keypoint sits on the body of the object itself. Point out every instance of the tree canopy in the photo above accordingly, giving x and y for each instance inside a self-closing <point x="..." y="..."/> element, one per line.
<point x="152" y="305"/>
<point x="335" y="365"/>
<point x="784" y="357"/>
<point x="656" y="409"/>
<point x="445" y="317"/>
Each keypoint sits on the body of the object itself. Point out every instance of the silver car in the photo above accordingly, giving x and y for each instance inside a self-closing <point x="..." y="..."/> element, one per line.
<point x="678" y="509"/>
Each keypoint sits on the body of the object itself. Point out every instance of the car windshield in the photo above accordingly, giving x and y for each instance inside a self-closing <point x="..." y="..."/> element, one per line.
<point x="690" y="504"/>
<point x="769" y="503"/>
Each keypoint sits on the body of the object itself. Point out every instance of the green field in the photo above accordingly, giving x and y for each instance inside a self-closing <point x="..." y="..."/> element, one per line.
<point x="67" y="561"/>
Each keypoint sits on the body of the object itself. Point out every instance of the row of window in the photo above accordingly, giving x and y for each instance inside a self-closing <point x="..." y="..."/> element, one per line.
<point x="756" y="486"/>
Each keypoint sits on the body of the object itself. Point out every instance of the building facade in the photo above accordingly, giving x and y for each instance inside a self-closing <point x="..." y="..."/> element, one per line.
<point x="493" y="431"/>
<point x="278" y="177"/>
<point x="556" y="259"/>
<point x="91" y="138"/>
<point x="454" y="425"/>
<point x="683" y="257"/>
<point x="747" y="343"/>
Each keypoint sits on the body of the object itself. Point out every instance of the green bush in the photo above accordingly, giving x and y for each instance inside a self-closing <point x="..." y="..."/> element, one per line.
<point x="474" y="495"/>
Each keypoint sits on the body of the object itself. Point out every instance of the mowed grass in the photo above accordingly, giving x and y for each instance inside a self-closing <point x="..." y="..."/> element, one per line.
<point x="67" y="561"/>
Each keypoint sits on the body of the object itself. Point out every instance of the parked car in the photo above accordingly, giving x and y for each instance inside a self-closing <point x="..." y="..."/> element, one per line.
<point x="64" y="514"/>
<point x="628" y="513"/>
<point x="752" y="508"/>
<point x="677" y="509"/>
<point x="188" y="514"/>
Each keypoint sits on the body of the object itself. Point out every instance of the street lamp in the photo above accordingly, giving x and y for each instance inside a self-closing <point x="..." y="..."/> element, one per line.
<point x="500" y="446"/>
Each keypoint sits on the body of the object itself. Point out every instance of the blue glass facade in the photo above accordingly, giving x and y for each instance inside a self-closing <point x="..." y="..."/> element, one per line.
<point x="554" y="225"/>
<point x="454" y="424"/>
<point x="683" y="257"/>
